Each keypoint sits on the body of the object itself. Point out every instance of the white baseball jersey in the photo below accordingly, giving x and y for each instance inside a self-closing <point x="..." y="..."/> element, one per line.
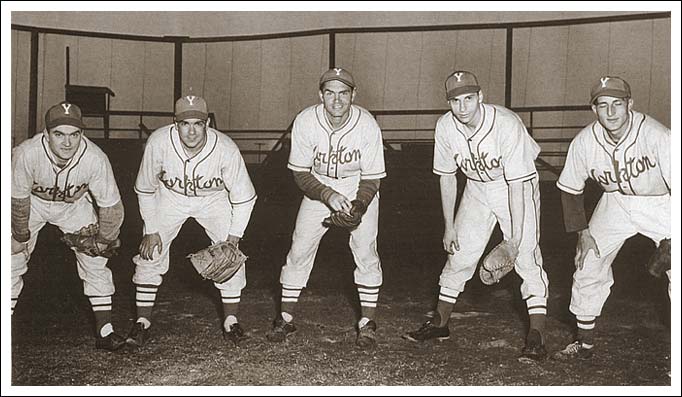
<point x="217" y="169"/>
<point x="356" y="148"/>
<point x="638" y="165"/>
<point x="35" y="172"/>
<point x="500" y="148"/>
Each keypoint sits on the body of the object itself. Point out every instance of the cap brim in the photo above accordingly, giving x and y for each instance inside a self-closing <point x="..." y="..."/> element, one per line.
<point x="65" y="121"/>
<point x="610" y="92"/>
<point x="192" y="114"/>
<point x="467" y="89"/>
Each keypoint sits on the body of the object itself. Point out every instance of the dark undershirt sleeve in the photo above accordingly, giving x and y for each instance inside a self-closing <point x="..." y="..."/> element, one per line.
<point x="574" y="211"/>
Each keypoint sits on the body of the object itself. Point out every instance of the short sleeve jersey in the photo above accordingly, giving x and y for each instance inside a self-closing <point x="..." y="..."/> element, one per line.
<point x="35" y="172"/>
<point x="638" y="164"/>
<point x="217" y="168"/>
<point x="356" y="148"/>
<point x="500" y="148"/>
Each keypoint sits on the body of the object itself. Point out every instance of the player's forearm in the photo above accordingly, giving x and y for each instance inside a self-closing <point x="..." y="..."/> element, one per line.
<point x="147" y="204"/>
<point x="574" y="211"/>
<point x="517" y="211"/>
<point x="241" y="214"/>
<point x="367" y="189"/>
<point x="312" y="187"/>
<point x="448" y="196"/>
<point x="21" y="211"/>
<point x="110" y="221"/>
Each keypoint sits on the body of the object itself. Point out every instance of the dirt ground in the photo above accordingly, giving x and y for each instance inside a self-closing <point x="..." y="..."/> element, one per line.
<point x="53" y="329"/>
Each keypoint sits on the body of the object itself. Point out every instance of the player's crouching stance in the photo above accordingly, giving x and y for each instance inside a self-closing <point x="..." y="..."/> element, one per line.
<point x="337" y="158"/>
<point x="54" y="176"/>
<point x="189" y="170"/>
<point x="628" y="154"/>
<point x="491" y="146"/>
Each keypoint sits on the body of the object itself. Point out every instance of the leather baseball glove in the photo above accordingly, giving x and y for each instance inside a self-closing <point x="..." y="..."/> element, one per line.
<point x="659" y="262"/>
<point x="347" y="220"/>
<point x="88" y="241"/>
<point x="498" y="263"/>
<point x="219" y="262"/>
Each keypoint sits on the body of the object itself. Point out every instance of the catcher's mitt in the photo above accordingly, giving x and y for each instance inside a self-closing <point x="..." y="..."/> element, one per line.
<point x="219" y="262"/>
<point x="347" y="220"/>
<point x="87" y="241"/>
<point x="659" y="262"/>
<point x="498" y="263"/>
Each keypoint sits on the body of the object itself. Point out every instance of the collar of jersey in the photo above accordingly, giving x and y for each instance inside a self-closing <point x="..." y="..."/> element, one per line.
<point x="211" y="138"/>
<point x="607" y="139"/>
<point x="322" y="119"/>
<point x="82" y="145"/>
<point x="484" y="122"/>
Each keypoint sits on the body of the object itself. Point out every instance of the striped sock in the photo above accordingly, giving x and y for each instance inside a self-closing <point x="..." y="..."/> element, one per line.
<point x="101" y="307"/>
<point x="368" y="300"/>
<point x="290" y="296"/>
<point x="14" y="303"/>
<point x="586" y="326"/>
<point x="447" y="297"/>
<point x="231" y="301"/>
<point x="537" y="312"/>
<point x="145" y="296"/>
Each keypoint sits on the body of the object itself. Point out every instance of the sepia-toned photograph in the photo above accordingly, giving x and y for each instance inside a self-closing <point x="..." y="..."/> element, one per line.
<point x="241" y="194"/>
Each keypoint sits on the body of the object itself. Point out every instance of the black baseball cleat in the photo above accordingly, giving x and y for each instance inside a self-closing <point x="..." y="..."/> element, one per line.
<point x="367" y="335"/>
<point x="534" y="350"/>
<point x="428" y="330"/>
<point x="280" y="330"/>
<point x="235" y="335"/>
<point x="111" y="342"/>
<point x="138" y="335"/>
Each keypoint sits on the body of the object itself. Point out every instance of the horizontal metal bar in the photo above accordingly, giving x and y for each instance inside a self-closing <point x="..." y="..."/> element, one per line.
<point x="381" y="29"/>
<point x="70" y="32"/>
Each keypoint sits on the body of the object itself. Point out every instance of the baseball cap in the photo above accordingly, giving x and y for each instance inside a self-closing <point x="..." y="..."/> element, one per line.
<point x="191" y="107"/>
<point x="64" y="113"/>
<point x="610" y="86"/>
<point x="339" y="74"/>
<point x="461" y="82"/>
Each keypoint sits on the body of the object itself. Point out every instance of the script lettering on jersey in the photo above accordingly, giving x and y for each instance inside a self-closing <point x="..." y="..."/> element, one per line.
<point x="632" y="169"/>
<point x="481" y="163"/>
<point x="338" y="156"/>
<point x="191" y="185"/>
<point x="54" y="193"/>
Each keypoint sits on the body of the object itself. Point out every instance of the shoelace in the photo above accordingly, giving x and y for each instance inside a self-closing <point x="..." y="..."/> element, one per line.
<point x="573" y="347"/>
<point x="426" y="326"/>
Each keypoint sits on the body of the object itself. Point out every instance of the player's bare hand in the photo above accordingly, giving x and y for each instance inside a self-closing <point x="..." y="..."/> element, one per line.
<point x="149" y="243"/>
<point x="450" y="240"/>
<point x="339" y="202"/>
<point x="585" y="244"/>
<point x="18" y="247"/>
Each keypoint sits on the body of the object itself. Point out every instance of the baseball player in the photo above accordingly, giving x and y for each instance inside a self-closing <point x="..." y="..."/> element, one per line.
<point x="55" y="177"/>
<point x="491" y="146"/>
<point x="337" y="159"/>
<point x="189" y="170"/>
<point x="628" y="154"/>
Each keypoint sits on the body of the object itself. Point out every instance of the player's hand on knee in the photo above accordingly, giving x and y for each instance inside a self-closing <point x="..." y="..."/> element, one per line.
<point x="339" y="202"/>
<point x="586" y="243"/>
<point x="150" y="242"/>
<point x="18" y="247"/>
<point x="450" y="241"/>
